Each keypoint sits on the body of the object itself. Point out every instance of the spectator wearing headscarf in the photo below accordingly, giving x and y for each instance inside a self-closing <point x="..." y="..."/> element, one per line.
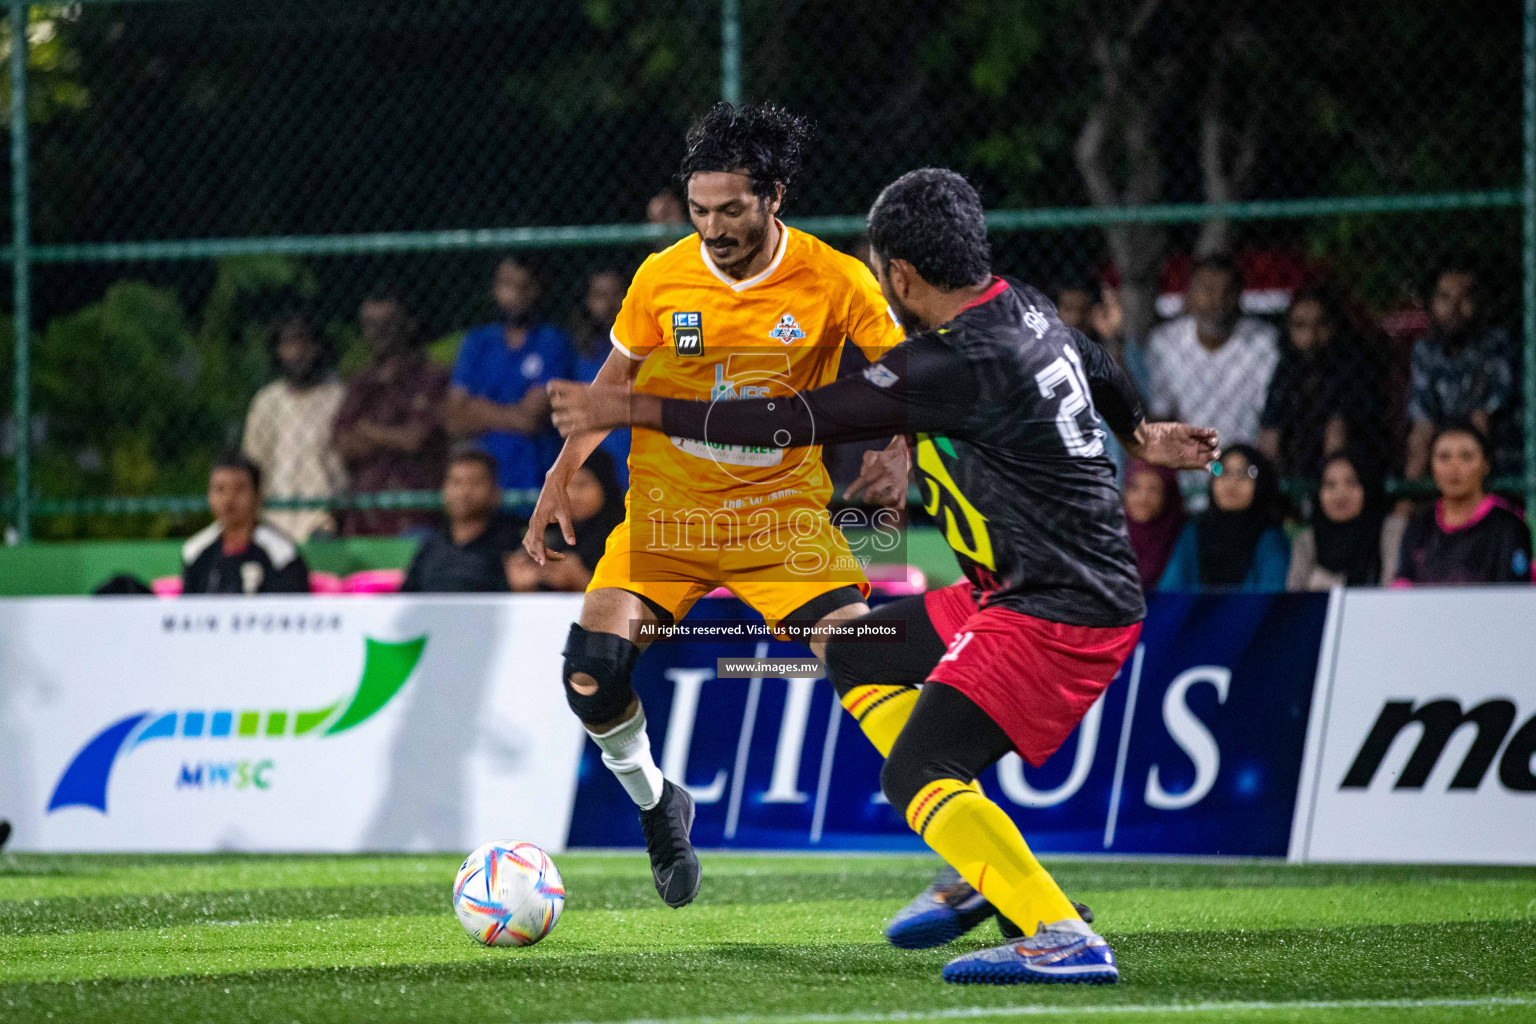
<point x="1351" y="540"/>
<point x="1236" y="543"/>
<point x="591" y="333"/>
<point x="1325" y="389"/>
<point x="597" y="506"/>
<point x="1154" y="516"/>
<point x="1467" y="536"/>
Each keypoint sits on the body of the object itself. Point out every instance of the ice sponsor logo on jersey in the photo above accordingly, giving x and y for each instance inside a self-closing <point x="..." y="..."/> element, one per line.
<point x="688" y="334"/>
<point x="532" y="366"/>
<point x="880" y="376"/>
<point x="1037" y="322"/>
<point x="787" y="330"/>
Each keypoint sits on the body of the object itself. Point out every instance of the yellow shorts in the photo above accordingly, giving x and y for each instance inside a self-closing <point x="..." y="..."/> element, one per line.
<point x="775" y="571"/>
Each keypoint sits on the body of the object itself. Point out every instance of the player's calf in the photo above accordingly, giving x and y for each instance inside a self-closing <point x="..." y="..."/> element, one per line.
<point x="596" y="674"/>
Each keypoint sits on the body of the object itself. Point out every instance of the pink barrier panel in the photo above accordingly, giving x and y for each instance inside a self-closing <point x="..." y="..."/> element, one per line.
<point x="166" y="586"/>
<point x="325" y="583"/>
<point x="888" y="579"/>
<point x="375" y="581"/>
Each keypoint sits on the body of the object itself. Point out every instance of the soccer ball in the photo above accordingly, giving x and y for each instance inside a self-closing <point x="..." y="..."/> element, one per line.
<point x="508" y="894"/>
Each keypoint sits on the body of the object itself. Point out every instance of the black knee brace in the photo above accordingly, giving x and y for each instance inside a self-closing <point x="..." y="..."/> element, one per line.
<point x="608" y="659"/>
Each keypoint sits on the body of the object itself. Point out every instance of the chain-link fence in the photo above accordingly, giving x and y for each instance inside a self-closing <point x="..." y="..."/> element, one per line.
<point x="208" y="178"/>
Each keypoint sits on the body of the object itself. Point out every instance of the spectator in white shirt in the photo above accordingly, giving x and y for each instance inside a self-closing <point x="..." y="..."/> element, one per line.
<point x="1213" y="365"/>
<point x="288" y="426"/>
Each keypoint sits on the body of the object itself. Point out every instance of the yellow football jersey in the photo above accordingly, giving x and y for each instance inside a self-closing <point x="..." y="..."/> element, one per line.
<point x="703" y="335"/>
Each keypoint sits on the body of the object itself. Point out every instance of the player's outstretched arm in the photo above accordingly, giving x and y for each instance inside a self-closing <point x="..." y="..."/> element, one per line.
<point x="554" y="505"/>
<point x="1175" y="445"/>
<point x="916" y="387"/>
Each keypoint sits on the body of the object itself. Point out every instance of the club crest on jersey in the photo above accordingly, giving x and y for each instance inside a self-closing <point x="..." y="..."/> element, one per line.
<point x="688" y="334"/>
<point x="787" y="330"/>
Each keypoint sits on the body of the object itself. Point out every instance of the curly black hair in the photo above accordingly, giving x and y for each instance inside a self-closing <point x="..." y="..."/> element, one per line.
<point x="760" y="140"/>
<point x="933" y="219"/>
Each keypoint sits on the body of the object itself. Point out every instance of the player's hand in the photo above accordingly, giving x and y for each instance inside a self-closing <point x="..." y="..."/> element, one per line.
<point x="1175" y="445"/>
<point x="883" y="477"/>
<point x="554" y="506"/>
<point x="581" y="408"/>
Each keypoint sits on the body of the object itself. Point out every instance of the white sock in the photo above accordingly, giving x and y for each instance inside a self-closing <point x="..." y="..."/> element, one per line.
<point x="627" y="753"/>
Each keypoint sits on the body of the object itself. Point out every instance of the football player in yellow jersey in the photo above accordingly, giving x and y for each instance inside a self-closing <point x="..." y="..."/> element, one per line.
<point x="747" y="307"/>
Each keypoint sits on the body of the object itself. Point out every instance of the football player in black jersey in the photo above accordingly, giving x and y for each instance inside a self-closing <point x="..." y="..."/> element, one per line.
<point x="1007" y="407"/>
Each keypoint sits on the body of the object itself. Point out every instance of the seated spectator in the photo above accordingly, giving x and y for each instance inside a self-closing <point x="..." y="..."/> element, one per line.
<point x="1325" y="390"/>
<point x="1075" y="296"/>
<point x="498" y="396"/>
<point x="1236" y="543"/>
<point x="468" y="553"/>
<point x="1106" y="324"/>
<point x="1213" y="365"/>
<point x="1467" y="535"/>
<point x="591" y="340"/>
<point x="1154" y="516"/>
<point x="288" y="426"/>
<point x="597" y="506"/>
<point x="1351" y="540"/>
<point x="666" y="207"/>
<point x="389" y="430"/>
<point x="239" y="553"/>
<point x="1461" y="371"/>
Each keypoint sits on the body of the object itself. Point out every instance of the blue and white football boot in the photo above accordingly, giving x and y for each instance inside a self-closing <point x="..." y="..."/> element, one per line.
<point x="1068" y="952"/>
<point x="942" y="913"/>
<point x="946" y="910"/>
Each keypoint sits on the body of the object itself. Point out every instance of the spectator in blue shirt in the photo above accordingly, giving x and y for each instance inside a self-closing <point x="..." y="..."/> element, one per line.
<point x="591" y="333"/>
<point x="1236" y="543"/>
<point x="498" y="397"/>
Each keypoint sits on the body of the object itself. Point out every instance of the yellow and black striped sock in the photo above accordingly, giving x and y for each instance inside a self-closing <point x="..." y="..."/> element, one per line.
<point x="982" y="843"/>
<point x="881" y="711"/>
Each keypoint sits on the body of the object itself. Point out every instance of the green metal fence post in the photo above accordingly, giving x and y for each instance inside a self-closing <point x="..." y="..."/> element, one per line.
<point x="21" y="268"/>
<point x="730" y="51"/>
<point x="1528" y="257"/>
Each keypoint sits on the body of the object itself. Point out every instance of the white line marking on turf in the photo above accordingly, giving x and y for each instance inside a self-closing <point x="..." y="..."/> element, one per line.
<point x="969" y="1012"/>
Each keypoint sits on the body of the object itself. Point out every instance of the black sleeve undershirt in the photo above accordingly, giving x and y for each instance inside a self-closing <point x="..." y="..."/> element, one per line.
<point x="1114" y="394"/>
<point x="918" y="386"/>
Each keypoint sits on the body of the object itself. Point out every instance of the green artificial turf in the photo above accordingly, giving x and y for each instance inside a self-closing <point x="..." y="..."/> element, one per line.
<point x="776" y="939"/>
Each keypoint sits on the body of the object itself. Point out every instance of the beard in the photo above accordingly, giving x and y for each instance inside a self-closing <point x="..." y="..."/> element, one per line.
<point x="909" y="320"/>
<point x="302" y="377"/>
<point x="1216" y="325"/>
<point x="517" y="321"/>
<point x="739" y="250"/>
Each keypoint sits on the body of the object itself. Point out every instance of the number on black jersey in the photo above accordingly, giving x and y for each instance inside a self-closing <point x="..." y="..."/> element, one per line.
<point x="1076" y="421"/>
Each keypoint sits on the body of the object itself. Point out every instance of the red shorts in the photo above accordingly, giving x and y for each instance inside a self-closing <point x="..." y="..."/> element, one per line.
<point x="1034" y="678"/>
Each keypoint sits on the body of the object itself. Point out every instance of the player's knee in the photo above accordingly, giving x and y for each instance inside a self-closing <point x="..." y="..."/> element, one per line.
<point x="596" y="675"/>
<point x="844" y="665"/>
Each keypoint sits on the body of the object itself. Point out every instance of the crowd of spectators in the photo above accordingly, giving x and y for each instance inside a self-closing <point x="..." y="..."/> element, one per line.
<point x="1314" y="402"/>
<point x="1309" y="399"/>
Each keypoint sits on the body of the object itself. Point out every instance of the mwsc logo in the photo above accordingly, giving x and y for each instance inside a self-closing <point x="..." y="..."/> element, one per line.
<point x="386" y="667"/>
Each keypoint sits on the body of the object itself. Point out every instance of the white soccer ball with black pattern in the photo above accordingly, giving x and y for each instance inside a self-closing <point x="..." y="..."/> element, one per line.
<point x="508" y="894"/>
